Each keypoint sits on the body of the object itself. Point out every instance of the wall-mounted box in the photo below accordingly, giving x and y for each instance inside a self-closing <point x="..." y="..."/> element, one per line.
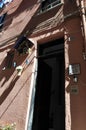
<point x="74" y="69"/>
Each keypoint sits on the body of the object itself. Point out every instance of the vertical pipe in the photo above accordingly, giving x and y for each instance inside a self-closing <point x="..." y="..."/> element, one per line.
<point x="84" y="26"/>
<point x="30" y="109"/>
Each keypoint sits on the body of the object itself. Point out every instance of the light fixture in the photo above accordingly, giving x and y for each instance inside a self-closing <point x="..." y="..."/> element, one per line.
<point x="75" y="79"/>
<point x="74" y="70"/>
<point x="19" y="70"/>
<point x="71" y="38"/>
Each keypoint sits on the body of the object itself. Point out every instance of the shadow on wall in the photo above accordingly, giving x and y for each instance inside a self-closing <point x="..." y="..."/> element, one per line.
<point x="8" y="89"/>
<point x="23" y="6"/>
<point x="8" y="75"/>
<point x="4" y="95"/>
<point x="43" y="21"/>
<point x="70" y="6"/>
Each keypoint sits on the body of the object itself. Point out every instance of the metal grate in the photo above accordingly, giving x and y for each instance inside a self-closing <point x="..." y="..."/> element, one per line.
<point x="46" y="5"/>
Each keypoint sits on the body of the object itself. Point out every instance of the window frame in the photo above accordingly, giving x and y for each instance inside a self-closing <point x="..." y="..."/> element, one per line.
<point x="49" y="6"/>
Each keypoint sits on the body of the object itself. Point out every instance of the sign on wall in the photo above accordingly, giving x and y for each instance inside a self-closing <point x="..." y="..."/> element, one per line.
<point x="74" y="89"/>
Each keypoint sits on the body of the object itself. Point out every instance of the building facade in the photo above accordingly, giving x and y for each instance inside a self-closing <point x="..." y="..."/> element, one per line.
<point x="43" y="64"/>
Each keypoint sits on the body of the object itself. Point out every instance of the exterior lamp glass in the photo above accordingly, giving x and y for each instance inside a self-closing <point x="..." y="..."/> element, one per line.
<point x="19" y="70"/>
<point x="75" y="79"/>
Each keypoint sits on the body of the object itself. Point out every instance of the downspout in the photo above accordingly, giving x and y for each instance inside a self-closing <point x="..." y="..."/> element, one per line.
<point x="84" y="26"/>
<point x="30" y="109"/>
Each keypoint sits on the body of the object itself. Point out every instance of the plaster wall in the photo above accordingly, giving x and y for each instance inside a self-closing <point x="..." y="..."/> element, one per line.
<point x="14" y="90"/>
<point x="73" y="55"/>
<point x="19" y="14"/>
<point x="73" y="46"/>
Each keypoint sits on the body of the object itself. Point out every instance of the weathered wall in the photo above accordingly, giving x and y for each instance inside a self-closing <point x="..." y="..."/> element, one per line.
<point x="19" y="14"/>
<point x="73" y="45"/>
<point x="14" y="90"/>
<point x="75" y="112"/>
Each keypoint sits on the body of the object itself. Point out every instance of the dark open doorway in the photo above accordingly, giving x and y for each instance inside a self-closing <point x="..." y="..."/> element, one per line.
<point x="49" y="108"/>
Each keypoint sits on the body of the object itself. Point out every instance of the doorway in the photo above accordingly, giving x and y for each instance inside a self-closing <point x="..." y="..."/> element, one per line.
<point x="49" y="107"/>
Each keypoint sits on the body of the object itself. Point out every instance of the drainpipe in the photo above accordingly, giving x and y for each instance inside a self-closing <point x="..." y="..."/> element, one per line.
<point x="84" y="26"/>
<point x="30" y="109"/>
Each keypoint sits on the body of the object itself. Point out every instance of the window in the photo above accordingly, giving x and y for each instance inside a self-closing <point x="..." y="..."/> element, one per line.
<point x="47" y="4"/>
<point x="2" y="18"/>
<point x="4" y="2"/>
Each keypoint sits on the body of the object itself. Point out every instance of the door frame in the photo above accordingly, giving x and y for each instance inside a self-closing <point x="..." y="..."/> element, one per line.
<point x="60" y="50"/>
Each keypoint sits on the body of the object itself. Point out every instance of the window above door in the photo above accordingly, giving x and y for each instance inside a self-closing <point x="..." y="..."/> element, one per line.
<point x="48" y="4"/>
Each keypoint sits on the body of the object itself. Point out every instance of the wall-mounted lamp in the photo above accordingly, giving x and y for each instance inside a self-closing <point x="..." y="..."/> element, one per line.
<point x="71" y="38"/>
<point x="75" y="79"/>
<point x="19" y="70"/>
<point x="74" y="70"/>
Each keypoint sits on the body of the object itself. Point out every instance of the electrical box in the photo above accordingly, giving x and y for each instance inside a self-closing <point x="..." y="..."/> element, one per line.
<point x="74" y="69"/>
